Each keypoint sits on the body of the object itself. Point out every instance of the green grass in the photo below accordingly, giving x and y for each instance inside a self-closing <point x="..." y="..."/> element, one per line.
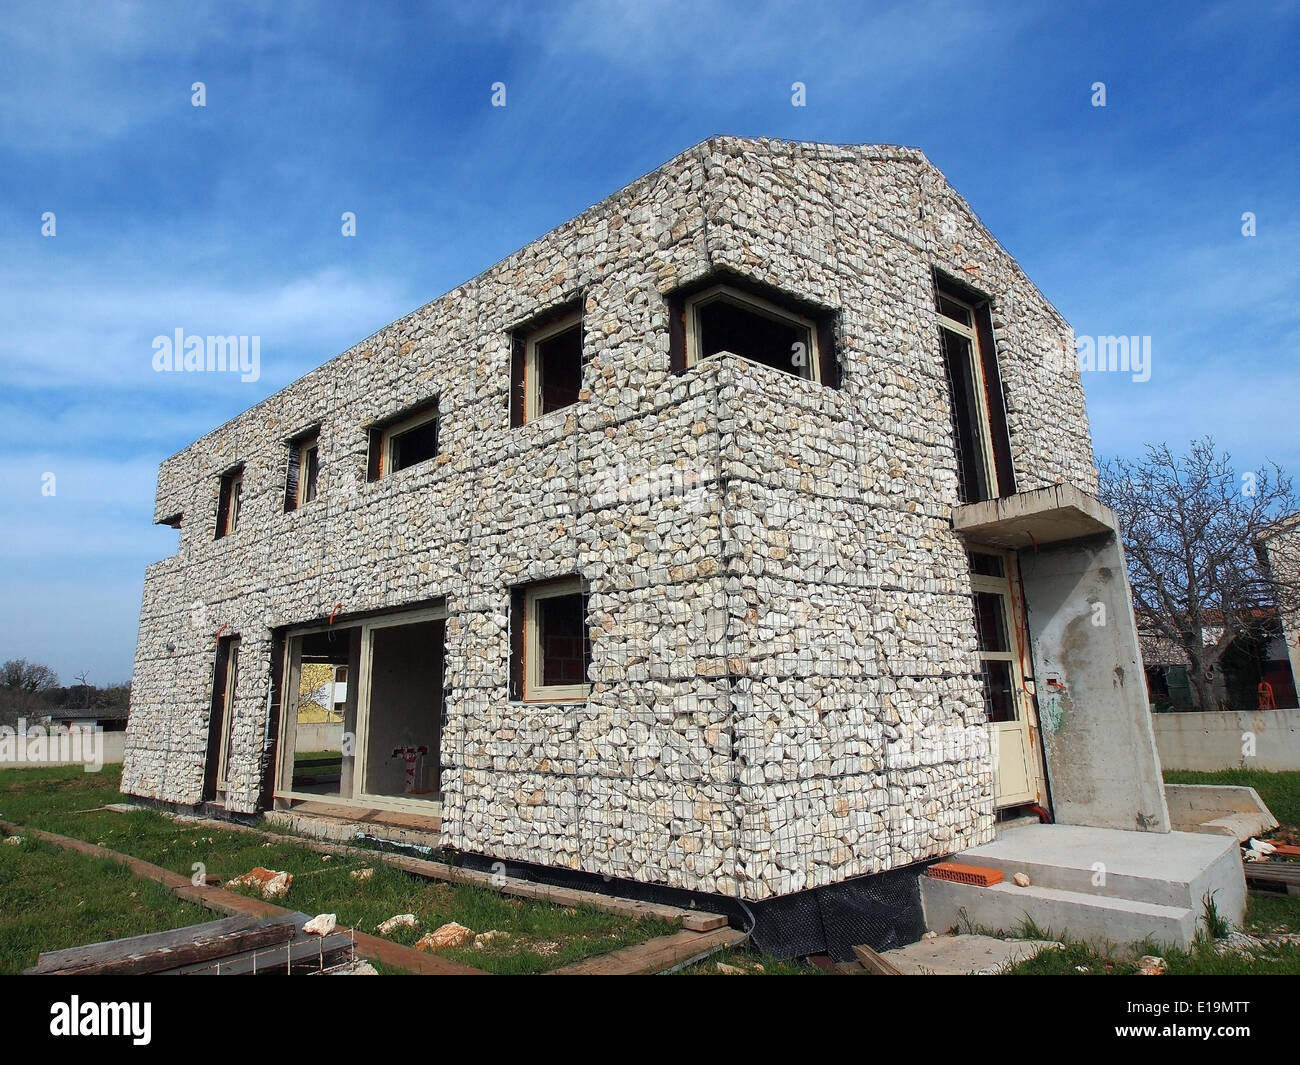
<point x="55" y="898"/>
<point x="1272" y="913"/>
<point x="1263" y="915"/>
<point x="317" y="756"/>
<point x="541" y="936"/>
<point x="1081" y="959"/>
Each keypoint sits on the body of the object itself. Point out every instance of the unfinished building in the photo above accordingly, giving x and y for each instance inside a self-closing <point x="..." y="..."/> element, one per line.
<point x="735" y="537"/>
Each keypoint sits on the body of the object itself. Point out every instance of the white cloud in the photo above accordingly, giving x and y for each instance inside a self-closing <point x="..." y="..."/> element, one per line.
<point x="92" y="331"/>
<point x="78" y="74"/>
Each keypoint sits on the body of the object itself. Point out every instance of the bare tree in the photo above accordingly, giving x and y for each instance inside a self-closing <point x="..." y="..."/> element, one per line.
<point x="1192" y="530"/>
<point x="23" y="685"/>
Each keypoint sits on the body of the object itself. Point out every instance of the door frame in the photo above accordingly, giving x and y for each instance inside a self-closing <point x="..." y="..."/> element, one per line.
<point x="289" y="706"/>
<point x="1019" y="654"/>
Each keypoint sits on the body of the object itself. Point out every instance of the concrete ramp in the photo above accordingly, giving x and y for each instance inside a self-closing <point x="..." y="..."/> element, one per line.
<point x="1095" y="884"/>
<point x="1224" y="809"/>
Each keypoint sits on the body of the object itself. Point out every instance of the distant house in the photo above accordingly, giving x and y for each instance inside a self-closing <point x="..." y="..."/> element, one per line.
<point x="1248" y="663"/>
<point x="1279" y="547"/>
<point x="110" y="719"/>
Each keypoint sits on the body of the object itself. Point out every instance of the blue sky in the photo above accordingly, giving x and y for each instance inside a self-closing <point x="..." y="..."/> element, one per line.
<point x="225" y="219"/>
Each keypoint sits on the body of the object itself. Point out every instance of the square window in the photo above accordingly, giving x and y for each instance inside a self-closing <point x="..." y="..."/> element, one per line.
<point x="551" y="644"/>
<point x="557" y="365"/>
<point x="546" y="368"/>
<point x="758" y="330"/>
<point x="404" y="442"/>
<point x="414" y="445"/>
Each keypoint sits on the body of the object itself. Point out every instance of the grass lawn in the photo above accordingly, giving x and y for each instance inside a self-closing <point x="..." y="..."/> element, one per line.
<point x="540" y="936"/>
<point x="54" y="898"/>
<point x="1078" y="959"/>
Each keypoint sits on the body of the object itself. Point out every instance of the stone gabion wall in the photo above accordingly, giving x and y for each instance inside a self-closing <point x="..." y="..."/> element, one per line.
<point x="785" y="684"/>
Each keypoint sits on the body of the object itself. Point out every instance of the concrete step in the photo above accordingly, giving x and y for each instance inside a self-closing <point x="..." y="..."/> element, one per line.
<point x="1163" y="869"/>
<point x="1094" y="918"/>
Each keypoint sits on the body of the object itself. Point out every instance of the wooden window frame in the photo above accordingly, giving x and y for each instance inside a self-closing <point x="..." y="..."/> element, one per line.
<point x="296" y="484"/>
<point x="999" y="472"/>
<point x="532" y="383"/>
<point x="526" y="645"/>
<point x="230" y="501"/>
<point x="978" y="385"/>
<point x="383" y="434"/>
<point x="757" y="305"/>
<point x="1001" y="587"/>
<point x="230" y="653"/>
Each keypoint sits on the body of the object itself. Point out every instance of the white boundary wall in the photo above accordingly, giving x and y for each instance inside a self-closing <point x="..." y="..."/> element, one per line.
<point x="1217" y="740"/>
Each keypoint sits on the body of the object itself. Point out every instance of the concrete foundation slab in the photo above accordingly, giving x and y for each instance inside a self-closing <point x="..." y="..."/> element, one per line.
<point x="965" y="955"/>
<point x="334" y="829"/>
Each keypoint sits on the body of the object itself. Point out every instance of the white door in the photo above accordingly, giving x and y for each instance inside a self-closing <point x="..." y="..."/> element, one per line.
<point x="1007" y="706"/>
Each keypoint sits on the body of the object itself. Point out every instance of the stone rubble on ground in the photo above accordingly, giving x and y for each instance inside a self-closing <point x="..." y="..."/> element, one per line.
<point x="401" y="920"/>
<point x="446" y="937"/>
<point x="359" y="967"/>
<point x="270" y="883"/>
<point x="486" y="939"/>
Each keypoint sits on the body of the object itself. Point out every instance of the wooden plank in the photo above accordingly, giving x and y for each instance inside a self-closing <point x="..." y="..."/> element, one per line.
<point x="874" y="962"/>
<point x="699" y="921"/>
<point x="410" y="959"/>
<point x="1273" y="872"/>
<point x="202" y="950"/>
<point x="1285" y="873"/>
<point x="118" y="948"/>
<point x="223" y="901"/>
<point x="324" y="809"/>
<point x="368" y="946"/>
<point x="379" y="949"/>
<point x="526" y="889"/>
<point x="654" y="956"/>
<point x="368" y="816"/>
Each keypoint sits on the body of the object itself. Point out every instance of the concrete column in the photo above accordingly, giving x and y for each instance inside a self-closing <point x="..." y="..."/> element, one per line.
<point x="1101" y="754"/>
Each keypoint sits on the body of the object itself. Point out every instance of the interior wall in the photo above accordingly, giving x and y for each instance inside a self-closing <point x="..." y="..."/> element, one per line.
<point x="1102" y="765"/>
<point x="406" y="665"/>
